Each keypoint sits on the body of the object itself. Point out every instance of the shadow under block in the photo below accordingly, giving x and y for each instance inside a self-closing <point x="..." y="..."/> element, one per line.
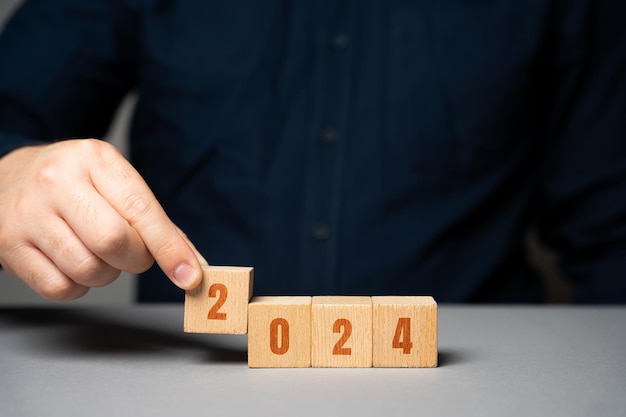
<point x="405" y="332"/>
<point x="279" y="332"/>
<point x="220" y="303"/>
<point x="341" y="332"/>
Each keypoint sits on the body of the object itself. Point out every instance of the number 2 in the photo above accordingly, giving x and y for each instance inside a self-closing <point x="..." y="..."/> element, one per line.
<point x="338" y="349"/>
<point x="214" y="313"/>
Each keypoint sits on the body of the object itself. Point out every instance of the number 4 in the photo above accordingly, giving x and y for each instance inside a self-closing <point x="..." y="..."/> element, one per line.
<point x="402" y="336"/>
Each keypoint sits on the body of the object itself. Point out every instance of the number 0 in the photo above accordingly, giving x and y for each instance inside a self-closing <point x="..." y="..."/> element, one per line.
<point x="282" y="347"/>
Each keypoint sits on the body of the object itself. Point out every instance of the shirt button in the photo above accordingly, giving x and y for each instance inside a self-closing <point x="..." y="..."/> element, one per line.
<point x="320" y="231"/>
<point x="328" y="136"/>
<point x="339" y="41"/>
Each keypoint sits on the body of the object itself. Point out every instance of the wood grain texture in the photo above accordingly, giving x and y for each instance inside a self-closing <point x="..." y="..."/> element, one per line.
<point x="279" y="332"/>
<point x="220" y="303"/>
<point x="341" y="329"/>
<point x="404" y="331"/>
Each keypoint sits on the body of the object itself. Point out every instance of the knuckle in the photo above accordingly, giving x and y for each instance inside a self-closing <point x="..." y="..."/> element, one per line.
<point x="167" y="250"/>
<point x="88" y="270"/>
<point x="97" y="275"/>
<point x="50" y="174"/>
<point x="110" y="241"/>
<point x="136" y="207"/>
<point x="61" y="290"/>
<point x="58" y="243"/>
<point x="101" y="152"/>
<point x="94" y="147"/>
<point x="98" y="152"/>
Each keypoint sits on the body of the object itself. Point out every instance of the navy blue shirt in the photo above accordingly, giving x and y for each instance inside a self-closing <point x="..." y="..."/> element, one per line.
<point x="351" y="147"/>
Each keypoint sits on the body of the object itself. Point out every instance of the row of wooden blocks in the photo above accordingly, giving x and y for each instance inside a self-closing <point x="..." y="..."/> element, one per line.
<point x="324" y="331"/>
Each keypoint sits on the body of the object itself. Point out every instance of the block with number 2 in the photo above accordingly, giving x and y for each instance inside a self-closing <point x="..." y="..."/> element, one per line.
<point x="220" y="303"/>
<point x="342" y="332"/>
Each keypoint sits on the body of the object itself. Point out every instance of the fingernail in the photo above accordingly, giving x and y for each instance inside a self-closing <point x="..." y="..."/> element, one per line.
<point x="185" y="275"/>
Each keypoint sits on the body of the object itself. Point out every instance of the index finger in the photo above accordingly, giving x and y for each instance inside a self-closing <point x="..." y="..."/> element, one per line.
<point x="120" y="184"/>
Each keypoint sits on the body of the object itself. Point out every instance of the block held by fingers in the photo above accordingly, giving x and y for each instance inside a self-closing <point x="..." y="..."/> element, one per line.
<point x="220" y="303"/>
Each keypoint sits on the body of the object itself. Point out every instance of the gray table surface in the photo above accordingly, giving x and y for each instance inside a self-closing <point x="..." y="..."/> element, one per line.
<point x="136" y="361"/>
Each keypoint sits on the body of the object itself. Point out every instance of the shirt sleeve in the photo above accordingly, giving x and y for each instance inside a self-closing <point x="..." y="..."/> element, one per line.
<point x="64" y="67"/>
<point x="583" y="188"/>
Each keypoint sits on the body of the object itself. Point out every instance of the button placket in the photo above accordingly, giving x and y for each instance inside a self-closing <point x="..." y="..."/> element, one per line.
<point x="331" y="92"/>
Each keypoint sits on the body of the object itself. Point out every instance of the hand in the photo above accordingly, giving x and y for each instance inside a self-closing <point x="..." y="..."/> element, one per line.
<point x="75" y="213"/>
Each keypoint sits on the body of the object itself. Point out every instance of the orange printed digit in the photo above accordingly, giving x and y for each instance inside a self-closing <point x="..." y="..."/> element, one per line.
<point x="279" y="348"/>
<point x="221" y="292"/>
<point x="339" y="349"/>
<point x="402" y="336"/>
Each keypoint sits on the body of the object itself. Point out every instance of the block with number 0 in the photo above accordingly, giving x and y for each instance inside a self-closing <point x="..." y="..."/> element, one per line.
<point x="220" y="303"/>
<point x="341" y="329"/>
<point x="405" y="331"/>
<point x="279" y="332"/>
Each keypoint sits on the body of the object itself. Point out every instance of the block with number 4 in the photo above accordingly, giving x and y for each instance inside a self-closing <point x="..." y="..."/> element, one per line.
<point x="405" y="332"/>
<point x="279" y="332"/>
<point x="220" y="303"/>
<point x="341" y="329"/>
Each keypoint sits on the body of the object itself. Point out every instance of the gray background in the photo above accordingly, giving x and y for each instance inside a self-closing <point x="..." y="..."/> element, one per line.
<point x="554" y="361"/>
<point x="14" y="292"/>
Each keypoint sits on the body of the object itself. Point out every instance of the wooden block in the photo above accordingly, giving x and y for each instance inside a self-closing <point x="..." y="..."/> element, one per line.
<point x="341" y="329"/>
<point x="279" y="332"/>
<point x="220" y="303"/>
<point x="404" y="332"/>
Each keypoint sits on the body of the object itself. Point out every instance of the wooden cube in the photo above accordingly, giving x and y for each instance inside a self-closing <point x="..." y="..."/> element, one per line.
<point x="279" y="332"/>
<point x="341" y="331"/>
<point x="404" y="332"/>
<point x="220" y="303"/>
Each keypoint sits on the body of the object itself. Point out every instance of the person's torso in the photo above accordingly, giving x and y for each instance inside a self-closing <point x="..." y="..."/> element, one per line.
<point x="348" y="147"/>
